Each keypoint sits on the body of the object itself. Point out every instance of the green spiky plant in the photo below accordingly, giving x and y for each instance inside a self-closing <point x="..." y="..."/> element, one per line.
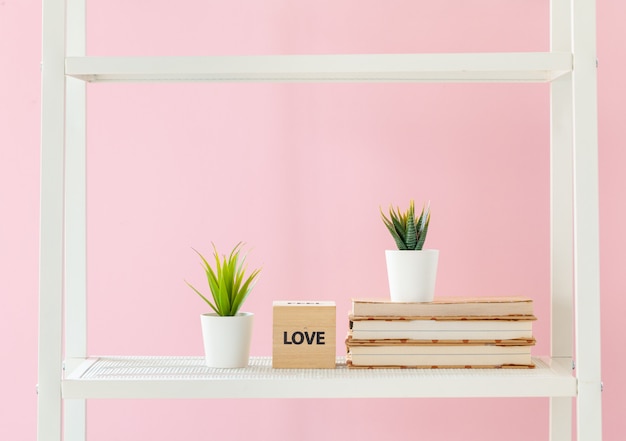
<point x="227" y="281"/>
<point x="407" y="231"/>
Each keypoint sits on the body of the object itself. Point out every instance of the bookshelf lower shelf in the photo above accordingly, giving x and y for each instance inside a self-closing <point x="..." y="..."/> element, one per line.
<point x="186" y="377"/>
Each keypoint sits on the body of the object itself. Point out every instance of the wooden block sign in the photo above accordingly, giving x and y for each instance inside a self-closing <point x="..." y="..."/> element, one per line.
<point x="304" y="334"/>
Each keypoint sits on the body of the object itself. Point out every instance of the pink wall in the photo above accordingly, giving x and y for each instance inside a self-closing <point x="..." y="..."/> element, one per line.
<point x="307" y="167"/>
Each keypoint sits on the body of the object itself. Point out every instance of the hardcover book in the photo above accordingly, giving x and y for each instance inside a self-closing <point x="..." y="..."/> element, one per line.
<point x="442" y="307"/>
<point x="443" y="356"/>
<point x="370" y="328"/>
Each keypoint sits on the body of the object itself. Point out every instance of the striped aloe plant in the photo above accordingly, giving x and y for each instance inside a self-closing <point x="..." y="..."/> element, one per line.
<point x="408" y="232"/>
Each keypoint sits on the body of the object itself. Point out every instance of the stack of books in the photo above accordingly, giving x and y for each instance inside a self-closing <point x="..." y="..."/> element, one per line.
<point x="454" y="332"/>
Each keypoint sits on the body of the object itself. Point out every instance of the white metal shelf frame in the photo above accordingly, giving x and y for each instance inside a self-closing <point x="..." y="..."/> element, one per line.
<point x="570" y="67"/>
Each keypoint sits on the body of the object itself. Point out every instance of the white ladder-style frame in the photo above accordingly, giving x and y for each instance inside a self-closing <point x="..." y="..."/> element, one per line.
<point x="68" y="375"/>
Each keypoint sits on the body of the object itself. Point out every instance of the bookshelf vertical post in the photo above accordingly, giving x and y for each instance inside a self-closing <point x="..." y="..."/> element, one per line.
<point x="50" y="350"/>
<point x="561" y="222"/>
<point x="586" y="221"/>
<point x="75" y="221"/>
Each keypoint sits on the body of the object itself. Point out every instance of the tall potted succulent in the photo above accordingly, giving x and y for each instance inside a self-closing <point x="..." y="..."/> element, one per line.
<point x="226" y="332"/>
<point x="411" y="270"/>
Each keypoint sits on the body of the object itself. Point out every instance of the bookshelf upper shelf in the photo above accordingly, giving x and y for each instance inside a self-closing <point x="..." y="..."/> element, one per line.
<point x="441" y="67"/>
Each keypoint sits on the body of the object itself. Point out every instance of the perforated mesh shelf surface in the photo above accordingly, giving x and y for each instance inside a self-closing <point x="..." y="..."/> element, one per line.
<point x="188" y="377"/>
<point x="261" y="368"/>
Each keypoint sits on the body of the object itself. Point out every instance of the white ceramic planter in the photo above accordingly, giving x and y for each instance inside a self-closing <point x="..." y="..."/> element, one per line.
<point x="412" y="274"/>
<point x="227" y="339"/>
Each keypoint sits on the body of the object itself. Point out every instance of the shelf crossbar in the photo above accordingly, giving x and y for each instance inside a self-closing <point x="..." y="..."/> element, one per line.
<point x="460" y="67"/>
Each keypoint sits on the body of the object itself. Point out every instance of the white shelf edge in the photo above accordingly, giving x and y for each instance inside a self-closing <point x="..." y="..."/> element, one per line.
<point x="439" y="67"/>
<point x="187" y="378"/>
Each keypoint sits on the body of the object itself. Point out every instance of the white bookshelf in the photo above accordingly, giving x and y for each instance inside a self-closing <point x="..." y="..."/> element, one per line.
<point x="68" y="375"/>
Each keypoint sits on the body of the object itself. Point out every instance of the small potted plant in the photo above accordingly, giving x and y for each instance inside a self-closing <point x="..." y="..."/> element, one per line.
<point x="411" y="270"/>
<point x="226" y="332"/>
